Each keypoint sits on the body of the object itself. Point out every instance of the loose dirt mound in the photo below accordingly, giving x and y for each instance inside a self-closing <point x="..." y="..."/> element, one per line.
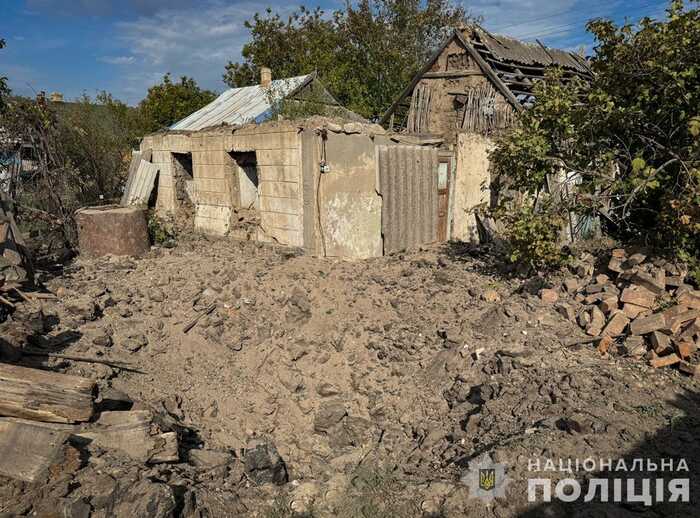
<point x="369" y="386"/>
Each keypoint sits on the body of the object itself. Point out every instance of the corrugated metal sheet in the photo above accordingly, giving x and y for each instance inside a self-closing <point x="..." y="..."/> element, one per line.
<point x="141" y="185"/>
<point x="505" y="48"/>
<point x="241" y="105"/>
<point x="408" y="186"/>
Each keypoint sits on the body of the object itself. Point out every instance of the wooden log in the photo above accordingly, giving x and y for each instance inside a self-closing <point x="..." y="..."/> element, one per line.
<point x="27" y="450"/>
<point x="44" y="395"/>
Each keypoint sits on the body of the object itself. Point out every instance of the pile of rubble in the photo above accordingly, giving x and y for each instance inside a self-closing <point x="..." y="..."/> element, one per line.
<point x="644" y="307"/>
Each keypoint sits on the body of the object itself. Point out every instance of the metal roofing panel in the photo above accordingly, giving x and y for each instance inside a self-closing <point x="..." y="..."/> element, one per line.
<point x="142" y="184"/>
<point x="408" y="186"/>
<point x="241" y="105"/>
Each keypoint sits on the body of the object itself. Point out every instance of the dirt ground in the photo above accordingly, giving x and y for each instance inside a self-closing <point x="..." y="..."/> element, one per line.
<point x="379" y="384"/>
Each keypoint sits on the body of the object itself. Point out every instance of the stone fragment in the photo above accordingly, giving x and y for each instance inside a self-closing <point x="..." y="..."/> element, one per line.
<point x="674" y="281"/>
<point x="328" y="415"/>
<point x="549" y="296"/>
<point x="636" y="259"/>
<point x="209" y="458"/>
<point x="615" y="265"/>
<point x="490" y="296"/>
<point x="566" y="311"/>
<point x="690" y="369"/>
<point x="619" y="253"/>
<point x="263" y="464"/>
<point x="570" y="285"/>
<point x="634" y="346"/>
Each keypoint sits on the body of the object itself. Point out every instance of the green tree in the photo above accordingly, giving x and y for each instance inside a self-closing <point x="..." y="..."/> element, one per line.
<point x="630" y="138"/>
<point x="4" y="90"/>
<point x="365" y="53"/>
<point x="168" y="102"/>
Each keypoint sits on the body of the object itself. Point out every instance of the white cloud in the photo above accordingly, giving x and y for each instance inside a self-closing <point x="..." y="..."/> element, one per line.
<point x="197" y="42"/>
<point x="117" y="60"/>
<point x="552" y="21"/>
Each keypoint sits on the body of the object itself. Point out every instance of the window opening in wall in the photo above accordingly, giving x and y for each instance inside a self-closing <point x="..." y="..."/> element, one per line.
<point x="248" y="163"/>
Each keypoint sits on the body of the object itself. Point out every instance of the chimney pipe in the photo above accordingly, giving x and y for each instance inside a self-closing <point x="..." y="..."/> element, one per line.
<point x="265" y="76"/>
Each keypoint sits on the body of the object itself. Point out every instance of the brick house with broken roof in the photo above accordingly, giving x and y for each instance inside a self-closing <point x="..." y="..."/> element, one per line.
<point x="473" y="87"/>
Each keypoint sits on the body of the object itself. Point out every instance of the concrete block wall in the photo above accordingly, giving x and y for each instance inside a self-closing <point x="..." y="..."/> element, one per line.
<point x="210" y="167"/>
<point x="277" y="149"/>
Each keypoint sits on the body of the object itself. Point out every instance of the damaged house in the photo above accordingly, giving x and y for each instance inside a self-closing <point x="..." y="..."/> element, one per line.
<point x="339" y="186"/>
<point x="472" y="88"/>
<point x="336" y="187"/>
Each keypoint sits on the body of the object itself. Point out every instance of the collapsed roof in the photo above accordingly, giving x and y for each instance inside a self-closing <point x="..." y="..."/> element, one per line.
<point x="519" y="65"/>
<point x="513" y="67"/>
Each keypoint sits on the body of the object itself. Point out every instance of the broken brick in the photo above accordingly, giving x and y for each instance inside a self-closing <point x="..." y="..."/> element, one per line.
<point x="619" y="253"/>
<point x="664" y="361"/>
<point x="690" y="299"/>
<point x="615" y="265"/>
<point x="660" y="342"/>
<point x="638" y="296"/>
<point x="685" y="348"/>
<point x="609" y="304"/>
<point x="636" y="259"/>
<point x="634" y="346"/>
<point x="605" y="344"/>
<point x="632" y="310"/>
<point x="616" y="325"/>
<point x="647" y="281"/>
<point x="646" y="325"/>
<point x="674" y="281"/>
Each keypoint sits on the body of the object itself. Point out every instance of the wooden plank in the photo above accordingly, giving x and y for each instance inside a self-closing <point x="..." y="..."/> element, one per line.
<point x="27" y="450"/>
<point x="44" y="395"/>
<point x="488" y="70"/>
<point x="452" y="73"/>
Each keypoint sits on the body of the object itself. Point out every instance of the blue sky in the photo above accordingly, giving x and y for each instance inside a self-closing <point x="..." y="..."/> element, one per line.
<point x="124" y="46"/>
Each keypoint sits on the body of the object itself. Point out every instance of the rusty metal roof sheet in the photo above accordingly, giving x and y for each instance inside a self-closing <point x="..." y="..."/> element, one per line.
<point x="242" y="105"/>
<point x="509" y="49"/>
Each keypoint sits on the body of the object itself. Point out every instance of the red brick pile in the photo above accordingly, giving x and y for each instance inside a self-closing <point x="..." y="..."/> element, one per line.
<point x="640" y="308"/>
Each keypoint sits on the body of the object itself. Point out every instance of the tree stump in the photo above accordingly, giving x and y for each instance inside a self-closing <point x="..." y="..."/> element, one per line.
<point x="112" y="230"/>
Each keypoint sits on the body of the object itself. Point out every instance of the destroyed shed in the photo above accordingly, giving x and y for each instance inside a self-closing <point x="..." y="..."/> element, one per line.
<point x="472" y="88"/>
